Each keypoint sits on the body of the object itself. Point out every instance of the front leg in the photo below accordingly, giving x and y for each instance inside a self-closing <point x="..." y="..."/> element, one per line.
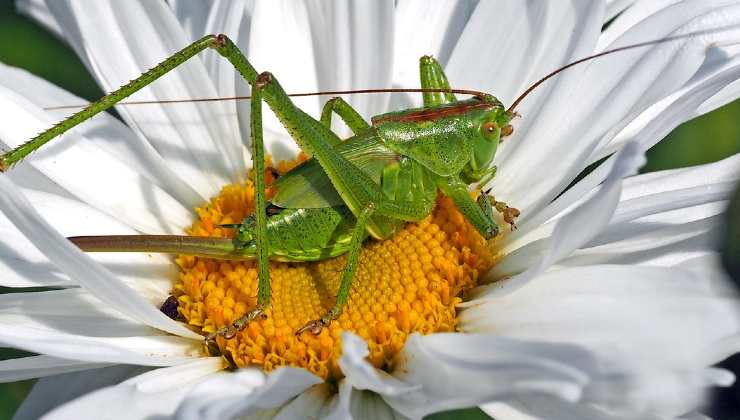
<point x="479" y="214"/>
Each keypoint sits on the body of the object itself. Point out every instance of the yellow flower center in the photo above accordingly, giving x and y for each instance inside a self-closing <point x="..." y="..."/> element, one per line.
<point x="408" y="283"/>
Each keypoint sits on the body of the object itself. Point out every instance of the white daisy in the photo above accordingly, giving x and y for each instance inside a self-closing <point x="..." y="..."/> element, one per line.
<point x="608" y="301"/>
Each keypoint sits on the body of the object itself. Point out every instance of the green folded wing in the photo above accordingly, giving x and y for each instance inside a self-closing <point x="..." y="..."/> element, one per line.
<point x="307" y="186"/>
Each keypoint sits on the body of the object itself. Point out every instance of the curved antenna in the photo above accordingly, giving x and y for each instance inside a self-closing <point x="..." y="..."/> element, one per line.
<point x="536" y="84"/>
<point x="328" y="92"/>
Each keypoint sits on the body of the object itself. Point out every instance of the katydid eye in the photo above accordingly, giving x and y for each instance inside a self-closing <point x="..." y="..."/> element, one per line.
<point x="489" y="129"/>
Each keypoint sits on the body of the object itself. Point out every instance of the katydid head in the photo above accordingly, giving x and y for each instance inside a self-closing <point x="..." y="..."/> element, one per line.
<point x="490" y="124"/>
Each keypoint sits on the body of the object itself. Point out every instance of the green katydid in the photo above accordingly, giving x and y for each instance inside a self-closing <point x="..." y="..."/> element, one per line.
<point x="387" y="174"/>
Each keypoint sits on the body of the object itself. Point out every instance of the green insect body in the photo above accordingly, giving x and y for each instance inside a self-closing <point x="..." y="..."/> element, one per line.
<point x="387" y="174"/>
<point x="409" y="153"/>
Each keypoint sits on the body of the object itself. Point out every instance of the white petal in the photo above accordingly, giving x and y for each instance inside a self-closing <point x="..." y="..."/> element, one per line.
<point x="223" y="17"/>
<point x="609" y="93"/>
<point x="351" y="403"/>
<point x="71" y="311"/>
<point x="634" y="188"/>
<point x="660" y="119"/>
<point x="364" y="376"/>
<point x="516" y="53"/>
<point x="539" y="407"/>
<point x="283" y="26"/>
<point x="96" y="279"/>
<point x="338" y="408"/>
<point x="463" y="370"/>
<point x="150" y="350"/>
<point x="193" y="16"/>
<point x="633" y="15"/>
<point x="629" y="313"/>
<point x="443" y="22"/>
<point x="198" y="141"/>
<point x="724" y="170"/>
<point x="244" y="392"/>
<point x="152" y="394"/>
<point x="308" y="405"/>
<point x="149" y="274"/>
<point x="648" y="326"/>
<point x="659" y="246"/>
<point x="353" y="44"/>
<point x="104" y="130"/>
<point x="89" y="173"/>
<point x="615" y="7"/>
<point x="31" y="367"/>
<point x="569" y="233"/>
<point x="51" y="392"/>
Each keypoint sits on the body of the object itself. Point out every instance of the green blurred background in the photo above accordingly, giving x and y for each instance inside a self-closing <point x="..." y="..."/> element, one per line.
<point x="25" y="44"/>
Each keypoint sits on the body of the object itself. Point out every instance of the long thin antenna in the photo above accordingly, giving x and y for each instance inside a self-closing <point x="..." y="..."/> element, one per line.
<point x="328" y="92"/>
<point x="611" y="51"/>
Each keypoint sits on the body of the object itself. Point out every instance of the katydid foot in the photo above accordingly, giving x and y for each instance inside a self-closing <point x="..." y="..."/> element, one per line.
<point x="315" y="326"/>
<point x="509" y="213"/>
<point x="229" y="331"/>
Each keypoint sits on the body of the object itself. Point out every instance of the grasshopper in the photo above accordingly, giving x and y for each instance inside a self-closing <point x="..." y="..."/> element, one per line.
<point x="387" y="174"/>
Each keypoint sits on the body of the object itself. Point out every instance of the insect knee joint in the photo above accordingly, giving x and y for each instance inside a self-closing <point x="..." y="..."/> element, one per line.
<point x="220" y="40"/>
<point x="263" y="79"/>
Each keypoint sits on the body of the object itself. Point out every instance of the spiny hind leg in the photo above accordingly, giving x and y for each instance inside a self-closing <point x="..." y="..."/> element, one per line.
<point x="433" y="77"/>
<point x="259" y="228"/>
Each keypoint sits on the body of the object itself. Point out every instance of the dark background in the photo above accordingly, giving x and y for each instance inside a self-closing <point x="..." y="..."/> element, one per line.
<point x="25" y="44"/>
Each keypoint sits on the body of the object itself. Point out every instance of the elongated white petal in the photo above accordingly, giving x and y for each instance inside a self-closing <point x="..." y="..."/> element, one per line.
<point x="100" y="180"/>
<point x="193" y="16"/>
<point x="352" y="403"/>
<point x="53" y="391"/>
<point x="481" y="368"/>
<point x="39" y="366"/>
<point x="150" y="275"/>
<point x="341" y="32"/>
<point x="72" y="311"/>
<point x="666" y="246"/>
<point x="104" y="131"/>
<point x="515" y="54"/>
<point x="629" y="313"/>
<point x="570" y="232"/>
<point x="96" y="279"/>
<point x="655" y="123"/>
<point x="339" y="407"/>
<point x="283" y="25"/>
<point x="650" y="204"/>
<point x="444" y="22"/>
<point x="244" y="392"/>
<point x="153" y="350"/>
<point x="635" y="188"/>
<point x="364" y="376"/>
<point x="198" y="141"/>
<point x="223" y="17"/>
<point x="155" y="393"/>
<point x="537" y="407"/>
<point x="615" y="7"/>
<point x="610" y="93"/>
<point x="308" y="404"/>
<point x="648" y="326"/>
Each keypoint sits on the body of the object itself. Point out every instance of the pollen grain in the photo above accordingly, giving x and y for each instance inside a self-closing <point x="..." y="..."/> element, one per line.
<point x="409" y="283"/>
